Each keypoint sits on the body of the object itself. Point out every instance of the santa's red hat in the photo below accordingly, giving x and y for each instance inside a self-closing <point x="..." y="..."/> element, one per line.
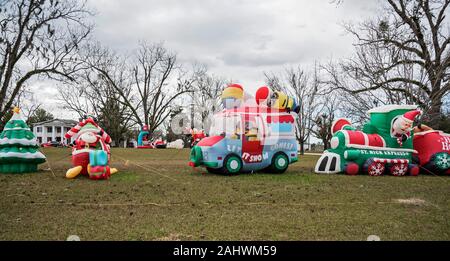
<point x="411" y="115"/>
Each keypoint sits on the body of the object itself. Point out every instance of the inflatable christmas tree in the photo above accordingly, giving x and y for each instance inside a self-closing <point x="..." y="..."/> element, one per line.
<point x="18" y="147"/>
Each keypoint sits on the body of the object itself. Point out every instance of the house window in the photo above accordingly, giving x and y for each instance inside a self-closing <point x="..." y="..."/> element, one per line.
<point x="68" y="129"/>
<point x="49" y="129"/>
<point x="58" y="129"/>
<point x="49" y="139"/>
<point x="39" y="139"/>
<point x="38" y="129"/>
<point x="58" y="139"/>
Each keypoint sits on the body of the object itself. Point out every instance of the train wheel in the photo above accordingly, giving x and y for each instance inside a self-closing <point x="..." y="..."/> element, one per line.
<point x="351" y="168"/>
<point x="414" y="170"/>
<point x="442" y="160"/>
<point x="399" y="169"/>
<point x="375" y="168"/>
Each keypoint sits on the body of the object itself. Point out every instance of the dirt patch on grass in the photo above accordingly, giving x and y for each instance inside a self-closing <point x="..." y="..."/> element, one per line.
<point x="412" y="201"/>
<point x="174" y="237"/>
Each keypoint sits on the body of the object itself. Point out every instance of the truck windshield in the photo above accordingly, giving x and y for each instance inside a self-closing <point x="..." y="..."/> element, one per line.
<point x="229" y="126"/>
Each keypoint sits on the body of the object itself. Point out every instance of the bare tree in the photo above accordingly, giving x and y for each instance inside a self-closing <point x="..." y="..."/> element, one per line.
<point x="322" y="121"/>
<point x="401" y="57"/>
<point x="93" y="93"/>
<point x="296" y="83"/>
<point x="153" y="71"/>
<point x="38" y="38"/>
<point x="146" y="83"/>
<point x="205" y="93"/>
<point x="38" y="115"/>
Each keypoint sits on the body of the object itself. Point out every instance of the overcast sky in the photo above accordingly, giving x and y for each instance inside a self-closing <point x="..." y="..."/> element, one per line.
<point x="238" y="40"/>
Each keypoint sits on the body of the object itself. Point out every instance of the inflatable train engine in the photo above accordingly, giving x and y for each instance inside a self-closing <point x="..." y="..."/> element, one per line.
<point x="385" y="144"/>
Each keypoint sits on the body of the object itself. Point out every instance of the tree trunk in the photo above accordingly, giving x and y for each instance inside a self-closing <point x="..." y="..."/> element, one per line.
<point x="433" y="117"/>
<point x="325" y="144"/>
<point x="302" y="147"/>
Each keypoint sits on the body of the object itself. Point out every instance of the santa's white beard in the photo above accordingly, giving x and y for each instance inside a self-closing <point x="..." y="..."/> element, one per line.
<point x="88" y="137"/>
<point x="397" y="127"/>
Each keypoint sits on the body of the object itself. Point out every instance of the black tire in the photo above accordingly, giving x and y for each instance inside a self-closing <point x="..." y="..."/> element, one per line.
<point x="214" y="171"/>
<point x="280" y="163"/>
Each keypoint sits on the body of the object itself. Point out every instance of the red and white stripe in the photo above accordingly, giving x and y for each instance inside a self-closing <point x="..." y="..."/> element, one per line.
<point x="74" y="130"/>
<point x="364" y="139"/>
<point x="391" y="161"/>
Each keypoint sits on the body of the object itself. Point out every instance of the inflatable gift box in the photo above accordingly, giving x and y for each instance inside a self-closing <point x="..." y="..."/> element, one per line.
<point x="99" y="172"/>
<point x="98" y="158"/>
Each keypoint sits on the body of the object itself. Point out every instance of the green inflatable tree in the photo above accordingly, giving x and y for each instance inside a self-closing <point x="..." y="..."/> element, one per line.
<point x="18" y="147"/>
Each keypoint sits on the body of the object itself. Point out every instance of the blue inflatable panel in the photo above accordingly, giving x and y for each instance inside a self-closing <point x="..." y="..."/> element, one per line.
<point x="98" y="158"/>
<point x="281" y="127"/>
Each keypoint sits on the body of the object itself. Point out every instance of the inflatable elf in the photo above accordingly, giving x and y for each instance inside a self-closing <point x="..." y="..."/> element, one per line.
<point x="18" y="147"/>
<point x="91" y="152"/>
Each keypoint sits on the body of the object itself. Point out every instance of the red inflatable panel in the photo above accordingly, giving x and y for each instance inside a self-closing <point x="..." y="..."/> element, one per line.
<point x="209" y="141"/>
<point x="361" y="138"/>
<point x="282" y="119"/>
<point x="429" y="143"/>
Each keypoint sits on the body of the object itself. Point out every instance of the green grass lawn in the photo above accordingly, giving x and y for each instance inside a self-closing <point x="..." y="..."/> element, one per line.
<point x="157" y="196"/>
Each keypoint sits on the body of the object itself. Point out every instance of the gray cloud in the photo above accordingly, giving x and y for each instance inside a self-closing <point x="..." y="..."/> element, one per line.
<point x="233" y="32"/>
<point x="236" y="39"/>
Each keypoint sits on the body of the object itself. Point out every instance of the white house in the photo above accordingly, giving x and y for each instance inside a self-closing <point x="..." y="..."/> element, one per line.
<point x="53" y="130"/>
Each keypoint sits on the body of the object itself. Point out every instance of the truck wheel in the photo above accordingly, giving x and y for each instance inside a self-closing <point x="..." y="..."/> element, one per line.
<point x="232" y="165"/>
<point x="280" y="163"/>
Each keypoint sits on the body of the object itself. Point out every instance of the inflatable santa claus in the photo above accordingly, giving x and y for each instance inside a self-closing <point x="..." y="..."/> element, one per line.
<point x="403" y="125"/>
<point x="91" y="151"/>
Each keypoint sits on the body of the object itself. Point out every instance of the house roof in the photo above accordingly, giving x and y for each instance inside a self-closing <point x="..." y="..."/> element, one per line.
<point x="57" y="122"/>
